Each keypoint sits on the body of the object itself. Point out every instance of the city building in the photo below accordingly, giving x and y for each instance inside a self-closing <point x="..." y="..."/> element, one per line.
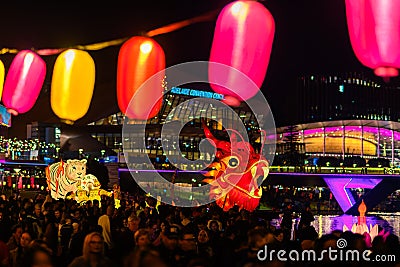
<point x="346" y="97"/>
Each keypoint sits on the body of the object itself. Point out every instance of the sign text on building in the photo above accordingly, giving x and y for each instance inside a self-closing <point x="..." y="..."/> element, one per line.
<point x="198" y="93"/>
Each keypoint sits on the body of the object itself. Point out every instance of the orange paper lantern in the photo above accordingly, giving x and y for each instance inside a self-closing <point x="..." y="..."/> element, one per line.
<point x="140" y="58"/>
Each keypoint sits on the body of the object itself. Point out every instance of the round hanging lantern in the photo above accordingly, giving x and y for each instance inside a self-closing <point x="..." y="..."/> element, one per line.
<point x="72" y="85"/>
<point x="374" y="29"/>
<point x="23" y="82"/>
<point x="243" y="40"/>
<point x="140" y="58"/>
<point x="2" y="73"/>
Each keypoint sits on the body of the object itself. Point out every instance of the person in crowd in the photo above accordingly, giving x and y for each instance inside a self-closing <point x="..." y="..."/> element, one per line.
<point x="75" y="243"/>
<point x="5" y="221"/>
<point x="169" y="245"/>
<point x="105" y="222"/>
<point x="15" y="238"/>
<point x="17" y="255"/>
<point x="38" y="256"/>
<point x="287" y="222"/>
<point x="125" y="239"/>
<point x="58" y="214"/>
<point x="154" y="231"/>
<point x="142" y="239"/>
<point x="204" y="246"/>
<point x="92" y="253"/>
<point x="145" y="258"/>
<point x="50" y="235"/>
<point x="4" y="251"/>
<point x="64" y="233"/>
<point x="163" y="227"/>
<point x="257" y="239"/>
<point x="306" y="216"/>
<point x="35" y="221"/>
<point x="306" y="232"/>
<point x="188" y="249"/>
<point x="279" y="238"/>
<point x="185" y="215"/>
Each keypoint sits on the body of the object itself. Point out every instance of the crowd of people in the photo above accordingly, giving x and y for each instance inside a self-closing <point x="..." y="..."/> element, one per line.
<point x="41" y="231"/>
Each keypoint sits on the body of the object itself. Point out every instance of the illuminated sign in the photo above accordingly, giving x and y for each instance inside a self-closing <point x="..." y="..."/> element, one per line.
<point x="5" y="116"/>
<point x="198" y="93"/>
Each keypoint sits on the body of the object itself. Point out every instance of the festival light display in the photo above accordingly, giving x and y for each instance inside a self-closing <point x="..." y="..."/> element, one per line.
<point x="234" y="174"/>
<point x="361" y="227"/>
<point x="374" y="34"/>
<point x="140" y="58"/>
<point x="70" y="180"/>
<point x="243" y="40"/>
<point x="23" y="82"/>
<point x="72" y="85"/>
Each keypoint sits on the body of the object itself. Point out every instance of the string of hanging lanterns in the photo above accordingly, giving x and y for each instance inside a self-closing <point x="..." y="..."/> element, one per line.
<point x="242" y="40"/>
<point x="74" y="73"/>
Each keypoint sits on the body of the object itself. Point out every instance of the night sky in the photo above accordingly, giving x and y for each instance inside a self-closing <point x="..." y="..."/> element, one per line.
<point x="310" y="38"/>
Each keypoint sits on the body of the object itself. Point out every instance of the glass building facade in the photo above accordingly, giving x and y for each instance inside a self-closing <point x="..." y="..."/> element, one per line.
<point x="364" y="138"/>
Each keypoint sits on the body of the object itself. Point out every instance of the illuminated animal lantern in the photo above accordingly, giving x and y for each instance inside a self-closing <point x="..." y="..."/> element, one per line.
<point x="81" y="195"/>
<point x="89" y="182"/>
<point x="64" y="177"/>
<point x="88" y="188"/>
<point x="97" y="193"/>
<point x="235" y="173"/>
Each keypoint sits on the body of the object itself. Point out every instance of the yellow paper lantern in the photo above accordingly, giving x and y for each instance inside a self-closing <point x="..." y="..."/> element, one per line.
<point x="2" y="74"/>
<point x="72" y="85"/>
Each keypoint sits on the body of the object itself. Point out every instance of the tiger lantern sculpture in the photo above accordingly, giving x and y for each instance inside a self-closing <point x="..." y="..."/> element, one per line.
<point x="70" y="177"/>
<point x="64" y="177"/>
<point x="235" y="173"/>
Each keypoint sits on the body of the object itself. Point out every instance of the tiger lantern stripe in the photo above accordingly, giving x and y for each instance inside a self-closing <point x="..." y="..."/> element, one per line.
<point x="64" y="177"/>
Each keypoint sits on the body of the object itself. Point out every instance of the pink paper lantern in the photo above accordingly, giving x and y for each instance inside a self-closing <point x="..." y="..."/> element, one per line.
<point x="24" y="81"/>
<point x="243" y="40"/>
<point x="374" y="29"/>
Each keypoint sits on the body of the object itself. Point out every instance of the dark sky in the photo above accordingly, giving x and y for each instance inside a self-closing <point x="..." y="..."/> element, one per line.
<point x="310" y="38"/>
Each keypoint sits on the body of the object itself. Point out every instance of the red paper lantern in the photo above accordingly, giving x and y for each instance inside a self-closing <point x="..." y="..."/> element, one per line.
<point x="374" y="29"/>
<point x="243" y="40"/>
<point x="23" y="82"/>
<point x="140" y="58"/>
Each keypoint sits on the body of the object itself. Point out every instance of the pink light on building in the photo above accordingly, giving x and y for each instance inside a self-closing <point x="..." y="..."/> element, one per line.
<point x="374" y="27"/>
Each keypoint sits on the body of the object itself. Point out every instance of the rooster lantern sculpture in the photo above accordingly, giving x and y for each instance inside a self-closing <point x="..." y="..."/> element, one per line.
<point x="236" y="173"/>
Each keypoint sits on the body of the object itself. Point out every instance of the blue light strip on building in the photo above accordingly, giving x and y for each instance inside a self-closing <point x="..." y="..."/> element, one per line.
<point x="3" y="162"/>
